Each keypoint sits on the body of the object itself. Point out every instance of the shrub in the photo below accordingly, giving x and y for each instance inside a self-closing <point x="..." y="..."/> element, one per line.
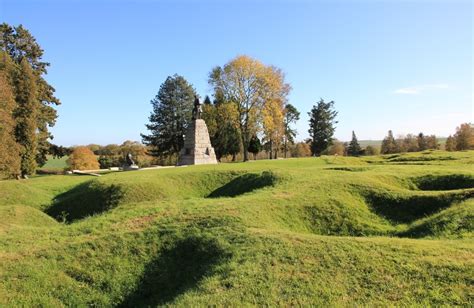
<point x="82" y="158"/>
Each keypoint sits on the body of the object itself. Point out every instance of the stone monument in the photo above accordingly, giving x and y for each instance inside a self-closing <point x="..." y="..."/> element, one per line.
<point x="130" y="163"/>
<point x="197" y="148"/>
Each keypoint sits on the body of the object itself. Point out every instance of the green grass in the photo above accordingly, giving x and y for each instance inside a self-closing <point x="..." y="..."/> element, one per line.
<point x="385" y="230"/>
<point x="55" y="163"/>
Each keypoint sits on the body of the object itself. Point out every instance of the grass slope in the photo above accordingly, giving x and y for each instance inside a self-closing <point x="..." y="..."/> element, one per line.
<point x="386" y="230"/>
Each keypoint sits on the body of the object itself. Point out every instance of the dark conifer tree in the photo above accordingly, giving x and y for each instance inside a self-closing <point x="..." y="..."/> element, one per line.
<point x="255" y="146"/>
<point x="172" y="109"/>
<point x="226" y="141"/>
<point x="354" y="148"/>
<point x="321" y="126"/>
<point x="207" y="100"/>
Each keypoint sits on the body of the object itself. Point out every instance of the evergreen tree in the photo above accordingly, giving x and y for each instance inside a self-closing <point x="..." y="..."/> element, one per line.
<point x="389" y="145"/>
<point x="26" y="115"/>
<point x="227" y="141"/>
<point x="19" y="44"/>
<point x="354" y="148"/>
<point x="9" y="148"/>
<point x="255" y="146"/>
<point x="291" y="116"/>
<point x="222" y="122"/>
<point x="172" y="109"/>
<point x="321" y="126"/>
<point x="207" y="100"/>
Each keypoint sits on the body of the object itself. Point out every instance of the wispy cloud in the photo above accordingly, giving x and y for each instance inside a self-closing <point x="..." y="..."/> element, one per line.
<point x="422" y="88"/>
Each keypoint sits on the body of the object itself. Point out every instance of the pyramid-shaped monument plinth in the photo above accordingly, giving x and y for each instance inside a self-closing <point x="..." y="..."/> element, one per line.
<point x="197" y="148"/>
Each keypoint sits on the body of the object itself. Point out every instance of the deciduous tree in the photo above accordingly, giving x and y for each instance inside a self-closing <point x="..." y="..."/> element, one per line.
<point x="389" y="145"/>
<point x="248" y="84"/>
<point x="82" y="158"/>
<point x="273" y="125"/>
<point x="26" y="115"/>
<point x="9" y="148"/>
<point x="291" y="116"/>
<point x="450" y="144"/>
<point x="464" y="137"/>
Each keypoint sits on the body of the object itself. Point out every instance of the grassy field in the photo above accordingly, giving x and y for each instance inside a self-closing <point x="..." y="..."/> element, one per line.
<point x="55" y="163"/>
<point x="385" y="230"/>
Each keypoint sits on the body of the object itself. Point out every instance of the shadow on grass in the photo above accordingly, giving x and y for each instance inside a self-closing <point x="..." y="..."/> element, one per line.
<point x="85" y="200"/>
<point x="408" y="208"/>
<point x="176" y="270"/>
<point x="244" y="184"/>
<point x="445" y="182"/>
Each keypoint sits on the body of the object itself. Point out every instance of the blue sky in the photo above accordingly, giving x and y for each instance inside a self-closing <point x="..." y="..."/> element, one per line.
<point x="400" y="65"/>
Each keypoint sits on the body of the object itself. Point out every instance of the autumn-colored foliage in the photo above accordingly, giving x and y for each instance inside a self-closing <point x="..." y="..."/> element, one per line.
<point x="9" y="149"/>
<point x="464" y="137"/>
<point x="273" y="115"/>
<point x="82" y="158"/>
<point x="249" y="84"/>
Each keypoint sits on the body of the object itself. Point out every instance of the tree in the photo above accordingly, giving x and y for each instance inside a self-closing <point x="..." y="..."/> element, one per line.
<point x="58" y="151"/>
<point x="464" y="137"/>
<point x="273" y="117"/>
<point x="255" y="146"/>
<point x="337" y="148"/>
<point x="172" y="109"/>
<point x="421" y="140"/>
<point x="222" y="123"/>
<point x="207" y="100"/>
<point x="371" y="150"/>
<point x="227" y="141"/>
<point x="82" y="158"/>
<point x="301" y="149"/>
<point x="248" y="84"/>
<point x="431" y="142"/>
<point x="354" y="148"/>
<point x="450" y="144"/>
<point x="9" y="149"/>
<point x="20" y="45"/>
<point x="26" y="115"/>
<point x="410" y="143"/>
<point x="321" y="126"/>
<point x="389" y="145"/>
<point x="291" y="116"/>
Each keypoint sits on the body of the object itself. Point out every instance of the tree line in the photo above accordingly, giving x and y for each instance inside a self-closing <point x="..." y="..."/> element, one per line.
<point x="250" y="113"/>
<point x="462" y="140"/>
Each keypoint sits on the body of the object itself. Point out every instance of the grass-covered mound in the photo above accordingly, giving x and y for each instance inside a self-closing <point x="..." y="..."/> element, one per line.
<point x="320" y="231"/>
